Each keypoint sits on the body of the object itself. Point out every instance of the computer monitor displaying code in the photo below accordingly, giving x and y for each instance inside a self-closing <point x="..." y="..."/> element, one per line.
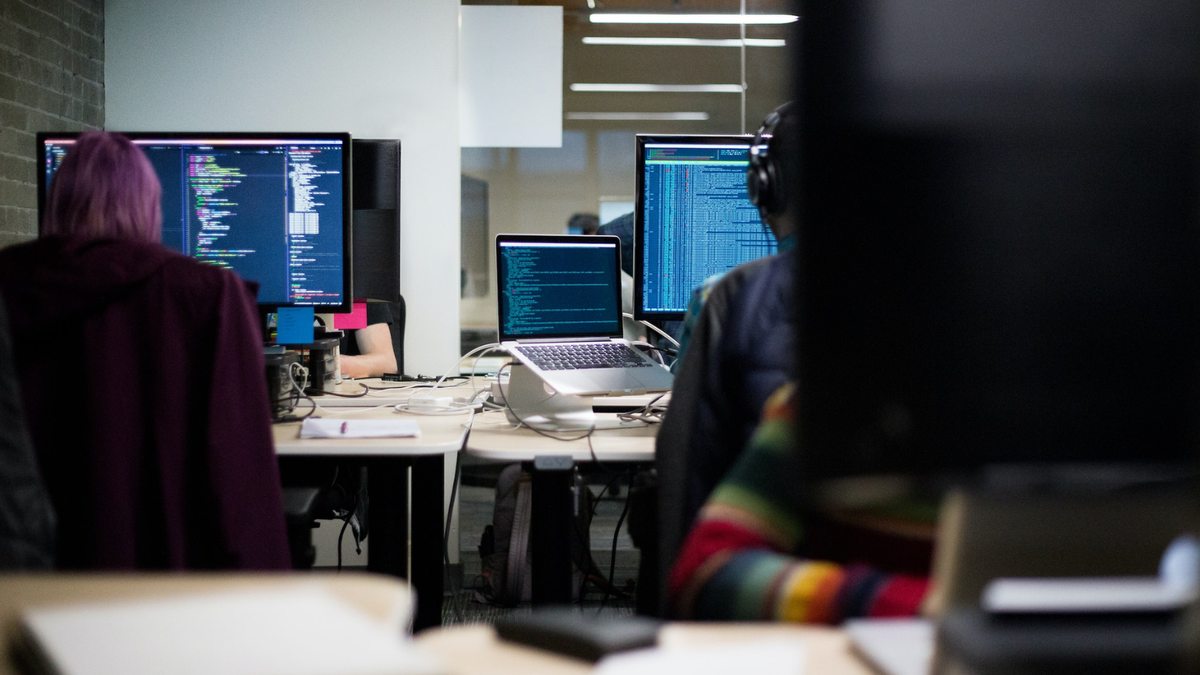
<point x="275" y="208"/>
<point x="693" y="218"/>
<point x="558" y="286"/>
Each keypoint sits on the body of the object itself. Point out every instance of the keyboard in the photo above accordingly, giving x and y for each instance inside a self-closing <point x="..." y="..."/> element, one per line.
<point x="583" y="356"/>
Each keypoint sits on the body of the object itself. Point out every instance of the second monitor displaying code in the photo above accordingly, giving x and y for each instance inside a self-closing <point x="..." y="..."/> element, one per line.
<point x="696" y="218"/>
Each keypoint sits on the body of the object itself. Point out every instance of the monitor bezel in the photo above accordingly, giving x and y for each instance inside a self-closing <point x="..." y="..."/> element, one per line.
<point x="640" y="313"/>
<point x="347" y="189"/>
<point x="554" y="238"/>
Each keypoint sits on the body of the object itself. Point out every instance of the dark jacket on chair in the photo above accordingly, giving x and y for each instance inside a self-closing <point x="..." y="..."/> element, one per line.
<point x="142" y="376"/>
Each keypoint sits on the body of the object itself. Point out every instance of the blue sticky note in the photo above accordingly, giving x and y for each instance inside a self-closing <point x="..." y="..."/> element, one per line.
<point x="295" y="326"/>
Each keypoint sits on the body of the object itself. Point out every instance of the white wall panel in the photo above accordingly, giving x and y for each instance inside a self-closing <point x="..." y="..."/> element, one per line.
<point x="375" y="68"/>
<point x="510" y="65"/>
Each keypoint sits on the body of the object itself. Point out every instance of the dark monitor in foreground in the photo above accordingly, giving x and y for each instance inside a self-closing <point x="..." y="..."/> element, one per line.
<point x="1000" y="246"/>
<point x="693" y="218"/>
<point x="275" y="208"/>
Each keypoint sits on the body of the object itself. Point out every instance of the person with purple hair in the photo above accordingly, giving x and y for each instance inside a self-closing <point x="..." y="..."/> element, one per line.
<point x="141" y="375"/>
<point x="105" y="188"/>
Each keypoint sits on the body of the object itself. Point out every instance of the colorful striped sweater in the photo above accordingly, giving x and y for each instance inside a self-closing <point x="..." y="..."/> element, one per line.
<point x="736" y="563"/>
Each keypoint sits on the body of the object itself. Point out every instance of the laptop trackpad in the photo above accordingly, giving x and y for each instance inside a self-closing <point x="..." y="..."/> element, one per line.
<point x="615" y="380"/>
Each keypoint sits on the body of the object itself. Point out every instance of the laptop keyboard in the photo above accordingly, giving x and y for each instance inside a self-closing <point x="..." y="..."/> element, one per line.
<point x="584" y="356"/>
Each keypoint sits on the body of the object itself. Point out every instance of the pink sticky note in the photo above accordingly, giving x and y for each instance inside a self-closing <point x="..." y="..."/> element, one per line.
<point x="357" y="318"/>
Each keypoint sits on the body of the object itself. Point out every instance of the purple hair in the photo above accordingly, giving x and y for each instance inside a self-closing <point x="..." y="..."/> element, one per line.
<point x="105" y="187"/>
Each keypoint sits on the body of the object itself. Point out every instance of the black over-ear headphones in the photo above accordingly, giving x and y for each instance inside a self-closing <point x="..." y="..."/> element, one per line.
<point x="764" y="181"/>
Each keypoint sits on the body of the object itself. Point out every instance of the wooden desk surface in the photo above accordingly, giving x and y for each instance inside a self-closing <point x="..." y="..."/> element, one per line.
<point x="470" y="650"/>
<point x="440" y="434"/>
<point x="382" y="598"/>
<point x="493" y="437"/>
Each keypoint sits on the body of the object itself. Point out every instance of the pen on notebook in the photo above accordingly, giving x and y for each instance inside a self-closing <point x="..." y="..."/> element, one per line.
<point x="344" y="428"/>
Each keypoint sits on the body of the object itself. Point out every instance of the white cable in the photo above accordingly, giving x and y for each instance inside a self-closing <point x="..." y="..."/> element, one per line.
<point x="351" y="411"/>
<point x="436" y="410"/>
<point x="475" y="365"/>
<point x="423" y="405"/>
<point x="292" y="370"/>
<point x="652" y="327"/>
<point x="455" y="407"/>
<point x="453" y="368"/>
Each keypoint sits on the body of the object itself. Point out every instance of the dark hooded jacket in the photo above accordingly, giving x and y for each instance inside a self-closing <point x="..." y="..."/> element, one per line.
<point x="142" y="376"/>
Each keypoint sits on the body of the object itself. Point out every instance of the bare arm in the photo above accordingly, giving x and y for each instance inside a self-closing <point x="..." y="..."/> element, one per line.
<point x="377" y="358"/>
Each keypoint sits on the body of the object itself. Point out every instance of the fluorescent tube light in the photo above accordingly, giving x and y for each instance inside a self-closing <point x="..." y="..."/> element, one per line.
<point x="720" y="19"/>
<point x="673" y="88"/>
<point x="681" y="42"/>
<point x="635" y="116"/>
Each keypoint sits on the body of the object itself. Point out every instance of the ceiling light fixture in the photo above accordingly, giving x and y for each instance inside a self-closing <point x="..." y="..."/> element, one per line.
<point x="718" y="19"/>
<point x="639" y="116"/>
<point x="660" y="88"/>
<point x="680" y="42"/>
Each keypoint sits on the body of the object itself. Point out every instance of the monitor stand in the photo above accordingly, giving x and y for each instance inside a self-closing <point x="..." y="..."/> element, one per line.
<point x="536" y="405"/>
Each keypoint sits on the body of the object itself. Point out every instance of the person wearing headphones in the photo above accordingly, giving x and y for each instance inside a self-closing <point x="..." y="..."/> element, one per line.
<point x="742" y="558"/>
<point x="736" y="348"/>
<point x="768" y="192"/>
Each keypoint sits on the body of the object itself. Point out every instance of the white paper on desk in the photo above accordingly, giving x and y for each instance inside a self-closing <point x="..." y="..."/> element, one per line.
<point x="297" y="631"/>
<point x="893" y="646"/>
<point x="771" y="657"/>
<point x="314" y="427"/>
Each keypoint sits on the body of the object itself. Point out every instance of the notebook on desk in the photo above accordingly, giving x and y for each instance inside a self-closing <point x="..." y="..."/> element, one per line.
<point x="560" y="315"/>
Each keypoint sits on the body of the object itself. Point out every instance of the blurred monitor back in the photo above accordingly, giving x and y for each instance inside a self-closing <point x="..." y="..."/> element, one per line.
<point x="999" y="246"/>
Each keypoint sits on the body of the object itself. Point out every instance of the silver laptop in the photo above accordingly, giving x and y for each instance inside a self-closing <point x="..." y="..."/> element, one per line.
<point x="560" y="315"/>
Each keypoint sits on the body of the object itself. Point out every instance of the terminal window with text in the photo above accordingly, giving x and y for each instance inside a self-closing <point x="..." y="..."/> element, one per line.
<point x="694" y="218"/>
<point x="558" y="288"/>
<point x="272" y="209"/>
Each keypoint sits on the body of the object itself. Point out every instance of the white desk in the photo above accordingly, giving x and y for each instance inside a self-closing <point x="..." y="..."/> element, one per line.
<point x="471" y="650"/>
<point x="383" y="393"/>
<point x="494" y="438"/>
<point x="388" y="460"/>
<point x="440" y="435"/>
<point x="383" y="599"/>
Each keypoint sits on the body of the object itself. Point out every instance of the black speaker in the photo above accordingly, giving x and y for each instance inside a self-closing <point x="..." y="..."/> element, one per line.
<point x="376" y="181"/>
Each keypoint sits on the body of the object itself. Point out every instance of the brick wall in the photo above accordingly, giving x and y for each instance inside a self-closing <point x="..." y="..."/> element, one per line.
<point x="51" y="79"/>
